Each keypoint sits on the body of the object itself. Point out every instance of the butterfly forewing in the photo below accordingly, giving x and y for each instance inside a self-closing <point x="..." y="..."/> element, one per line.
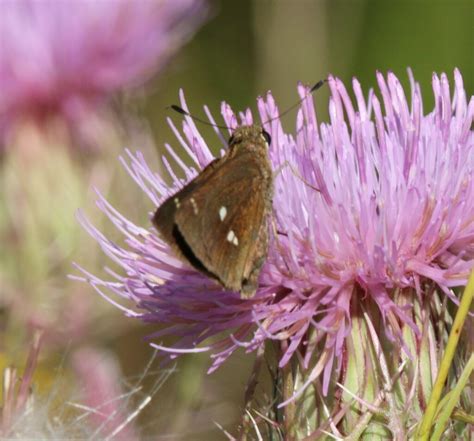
<point x="218" y="221"/>
<point x="213" y="219"/>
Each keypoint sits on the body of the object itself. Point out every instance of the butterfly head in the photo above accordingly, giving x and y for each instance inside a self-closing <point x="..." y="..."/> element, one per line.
<point x="254" y="135"/>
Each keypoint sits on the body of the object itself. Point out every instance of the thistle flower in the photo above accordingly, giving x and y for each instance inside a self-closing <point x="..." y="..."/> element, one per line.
<point x="65" y="58"/>
<point x="390" y="231"/>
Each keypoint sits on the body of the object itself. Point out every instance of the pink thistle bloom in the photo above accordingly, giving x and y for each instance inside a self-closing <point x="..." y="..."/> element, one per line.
<point x="66" y="57"/>
<point x="395" y="213"/>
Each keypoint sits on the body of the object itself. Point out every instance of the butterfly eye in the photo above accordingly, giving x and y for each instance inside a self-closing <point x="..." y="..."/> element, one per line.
<point x="267" y="137"/>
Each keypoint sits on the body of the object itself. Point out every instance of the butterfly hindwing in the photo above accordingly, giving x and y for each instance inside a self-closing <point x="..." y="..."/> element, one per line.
<point x="164" y="217"/>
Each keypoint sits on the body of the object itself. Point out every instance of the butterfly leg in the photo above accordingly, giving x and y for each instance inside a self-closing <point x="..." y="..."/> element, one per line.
<point x="279" y="246"/>
<point x="250" y="283"/>
<point x="295" y="172"/>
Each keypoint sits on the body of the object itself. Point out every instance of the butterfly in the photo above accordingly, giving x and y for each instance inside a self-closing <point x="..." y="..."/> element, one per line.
<point x="218" y="223"/>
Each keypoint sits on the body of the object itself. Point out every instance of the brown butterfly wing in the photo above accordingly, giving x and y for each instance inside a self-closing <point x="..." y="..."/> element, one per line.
<point x="164" y="217"/>
<point x="224" y="221"/>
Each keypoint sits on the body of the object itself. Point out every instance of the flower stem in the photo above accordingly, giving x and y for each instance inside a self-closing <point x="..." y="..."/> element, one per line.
<point x="466" y="300"/>
<point x="454" y="395"/>
<point x="290" y="408"/>
<point x="247" y="420"/>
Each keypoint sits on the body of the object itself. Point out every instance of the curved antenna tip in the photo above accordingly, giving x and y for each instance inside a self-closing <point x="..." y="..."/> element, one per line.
<point x="178" y="109"/>
<point x="181" y="111"/>
<point x="319" y="84"/>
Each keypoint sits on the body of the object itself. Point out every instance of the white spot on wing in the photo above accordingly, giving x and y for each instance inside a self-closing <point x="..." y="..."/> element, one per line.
<point x="232" y="238"/>
<point x="222" y="213"/>
<point x="176" y="202"/>
<point x="195" y="207"/>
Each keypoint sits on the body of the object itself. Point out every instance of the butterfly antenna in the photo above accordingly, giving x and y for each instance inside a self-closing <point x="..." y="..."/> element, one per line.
<point x="181" y="111"/>
<point x="317" y="86"/>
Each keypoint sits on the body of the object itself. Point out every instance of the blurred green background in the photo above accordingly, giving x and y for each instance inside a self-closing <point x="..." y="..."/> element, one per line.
<point x="246" y="48"/>
<point x="250" y="47"/>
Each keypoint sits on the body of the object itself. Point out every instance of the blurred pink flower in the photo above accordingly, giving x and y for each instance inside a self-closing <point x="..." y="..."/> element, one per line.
<point x="395" y="214"/>
<point x="109" y="402"/>
<point x="65" y="57"/>
<point x="100" y="377"/>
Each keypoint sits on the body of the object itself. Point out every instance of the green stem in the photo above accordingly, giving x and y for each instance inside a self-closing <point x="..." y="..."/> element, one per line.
<point x="427" y="421"/>
<point x="454" y="395"/>
<point x="290" y="409"/>
<point x="247" y="420"/>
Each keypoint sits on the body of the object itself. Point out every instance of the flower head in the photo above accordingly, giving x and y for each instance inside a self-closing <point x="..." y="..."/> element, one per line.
<point x="65" y="57"/>
<point x="394" y="216"/>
